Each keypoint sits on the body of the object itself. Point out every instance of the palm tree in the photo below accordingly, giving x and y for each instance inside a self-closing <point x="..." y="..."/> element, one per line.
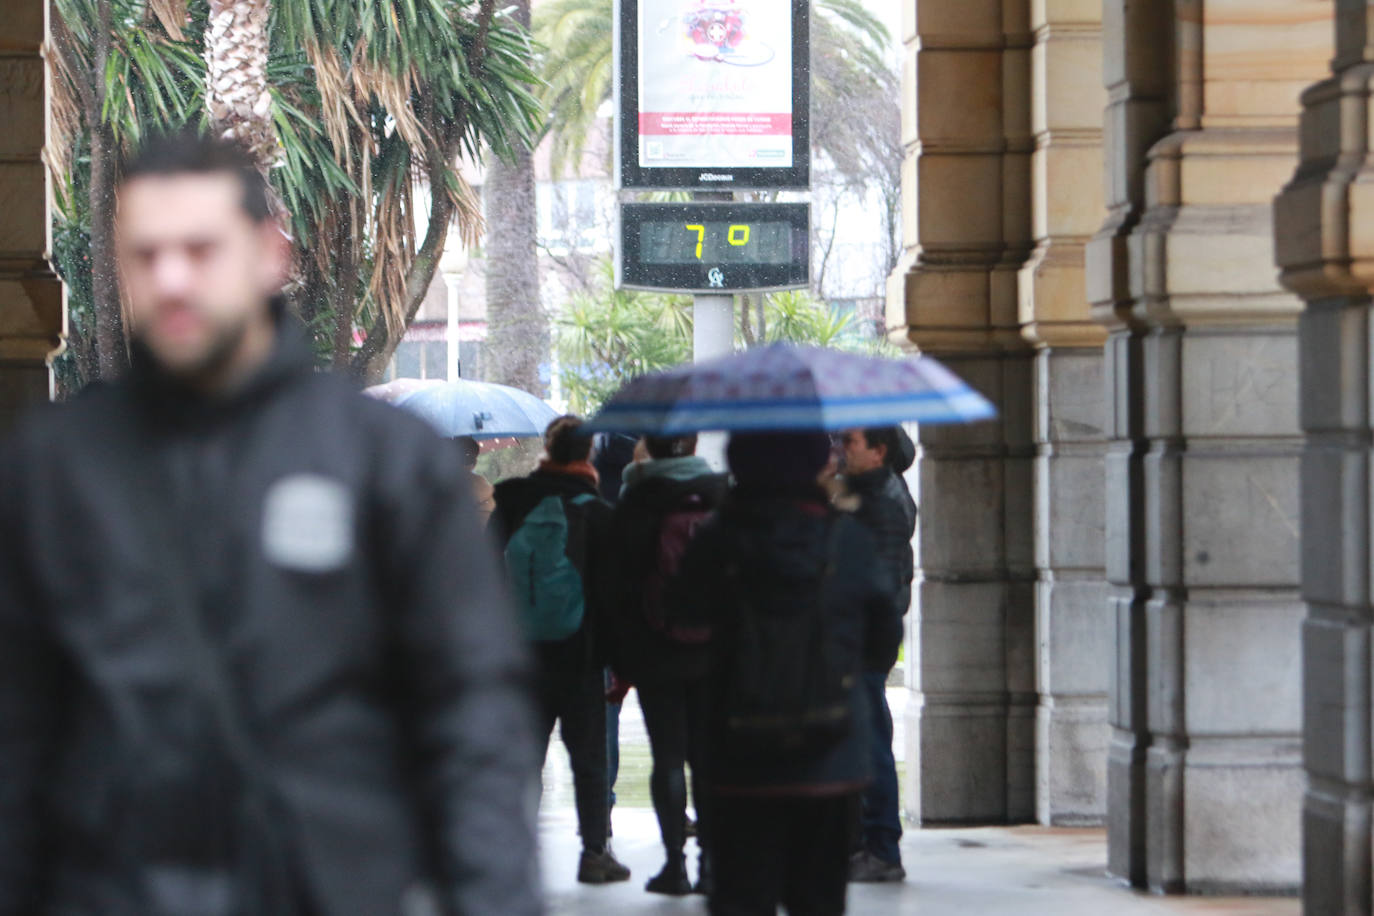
<point x="120" y="68"/>
<point x="238" y="97"/>
<point x="367" y="101"/>
<point x="518" y="336"/>
<point x="399" y="91"/>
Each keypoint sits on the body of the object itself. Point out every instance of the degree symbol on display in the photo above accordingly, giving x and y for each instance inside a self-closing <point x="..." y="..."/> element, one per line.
<point x="716" y="278"/>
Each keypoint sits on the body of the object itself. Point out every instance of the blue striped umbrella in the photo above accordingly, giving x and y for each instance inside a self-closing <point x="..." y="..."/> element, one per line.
<point x="482" y="410"/>
<point x="783" y="386"/>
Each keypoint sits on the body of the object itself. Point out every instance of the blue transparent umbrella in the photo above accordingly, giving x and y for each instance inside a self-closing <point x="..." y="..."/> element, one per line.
<point x="783" y="386"/>
<point x="482" y="410"/>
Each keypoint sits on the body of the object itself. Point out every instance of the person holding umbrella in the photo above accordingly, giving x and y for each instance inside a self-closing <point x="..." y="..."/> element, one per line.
<point x="790" y="589"/>
<point x="795" y="603"/>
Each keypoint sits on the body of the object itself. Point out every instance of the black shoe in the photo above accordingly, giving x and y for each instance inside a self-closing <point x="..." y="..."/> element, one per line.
<point x="672" y="881"/>
<point x="600" y="868"/>
<point x="706" y="880"/>
<point x="866" y="868"/>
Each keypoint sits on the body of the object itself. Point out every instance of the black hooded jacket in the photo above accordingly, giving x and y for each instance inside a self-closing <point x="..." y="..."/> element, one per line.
<point x="886" y="509"/>
<point x="787" y="536"/>
<point x="637" y="651"/>
<point x="329" y="546"/>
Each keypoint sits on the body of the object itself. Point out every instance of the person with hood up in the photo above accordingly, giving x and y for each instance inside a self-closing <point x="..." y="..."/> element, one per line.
<point x="551" y="526"/>
<point x="789" y="588"/>
<point x="882" y="504"/>
<point x="665" y="499"/>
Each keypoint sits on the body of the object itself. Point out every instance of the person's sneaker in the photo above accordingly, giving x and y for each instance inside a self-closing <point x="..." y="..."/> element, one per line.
<point x="866" y="868"/>
<point x="600" y="868"/>
<point x="672" y="881"/>
<point x="706" y="882"/>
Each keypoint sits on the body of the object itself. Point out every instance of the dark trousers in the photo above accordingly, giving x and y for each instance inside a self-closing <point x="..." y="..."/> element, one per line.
<point x="780" y="851"/>
<point x="675" y="718"/>
<point x="880" y="821"/>
<point x="577" y="700"/>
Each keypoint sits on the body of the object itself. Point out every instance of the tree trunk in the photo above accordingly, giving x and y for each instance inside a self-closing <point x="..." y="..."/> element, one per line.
<point x="112" y="353"/>
<point x="236" y="90"/>
<point x="345" y="291"/>
<point x="369" y="360"/>
<point x="518" y="331"/>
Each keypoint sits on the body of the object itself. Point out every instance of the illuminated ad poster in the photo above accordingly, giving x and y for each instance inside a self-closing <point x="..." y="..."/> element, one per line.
<point x="715" y="83"/>
<point x="720" y="93"/>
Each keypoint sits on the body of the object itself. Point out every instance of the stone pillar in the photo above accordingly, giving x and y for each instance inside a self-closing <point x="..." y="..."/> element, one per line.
<point x="966" y="209"/>
<point x="1203" y="470"/>
<point x="31" y="298"/>
<point x="1073" y="638"/>
<point x="1324" y="245"/>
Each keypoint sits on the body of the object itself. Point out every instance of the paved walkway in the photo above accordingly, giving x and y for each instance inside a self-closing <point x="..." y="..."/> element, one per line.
<point x="988" y="871"/>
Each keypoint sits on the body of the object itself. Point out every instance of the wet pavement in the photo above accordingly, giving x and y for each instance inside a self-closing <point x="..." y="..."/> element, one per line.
<point x="985" y="871"/>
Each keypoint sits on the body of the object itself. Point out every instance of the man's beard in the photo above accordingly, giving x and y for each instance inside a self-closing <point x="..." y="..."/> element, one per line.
<point x="220" y="352"/>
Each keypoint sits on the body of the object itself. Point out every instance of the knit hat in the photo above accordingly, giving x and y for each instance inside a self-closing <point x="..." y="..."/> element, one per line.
<point x="778" y="460"/>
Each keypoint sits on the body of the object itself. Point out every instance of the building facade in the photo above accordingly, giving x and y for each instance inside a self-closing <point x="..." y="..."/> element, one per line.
<point x="1159" y="620"/>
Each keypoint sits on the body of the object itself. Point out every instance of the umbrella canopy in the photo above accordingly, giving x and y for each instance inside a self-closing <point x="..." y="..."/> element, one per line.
<point x="399" y="388"/>
<point x="782" y="386"/>
<point x="480" y="409"/>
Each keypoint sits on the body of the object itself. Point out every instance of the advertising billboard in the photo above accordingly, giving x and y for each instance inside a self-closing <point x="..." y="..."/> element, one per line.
<point x="713" y="94"/>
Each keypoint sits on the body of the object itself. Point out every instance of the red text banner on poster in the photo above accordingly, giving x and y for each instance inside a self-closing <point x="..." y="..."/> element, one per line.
<point x="703" y="123"/>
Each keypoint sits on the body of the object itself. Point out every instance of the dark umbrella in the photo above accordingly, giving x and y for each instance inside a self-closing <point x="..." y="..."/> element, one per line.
<point x="783" y="386"/>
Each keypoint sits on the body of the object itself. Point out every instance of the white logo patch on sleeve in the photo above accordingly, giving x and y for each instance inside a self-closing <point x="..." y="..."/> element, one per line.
<point x="307" y="523"/>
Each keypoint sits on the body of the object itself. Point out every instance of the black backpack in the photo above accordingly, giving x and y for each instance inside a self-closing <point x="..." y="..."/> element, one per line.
<point x="788" y="685"/>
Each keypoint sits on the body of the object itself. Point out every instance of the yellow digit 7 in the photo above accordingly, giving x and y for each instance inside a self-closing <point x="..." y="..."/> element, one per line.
<point x="700" y="230"/>
<point x="744" y="240"/>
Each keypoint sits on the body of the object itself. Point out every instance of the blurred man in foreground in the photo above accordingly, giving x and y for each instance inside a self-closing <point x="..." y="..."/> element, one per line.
<point x="255" y="659"/>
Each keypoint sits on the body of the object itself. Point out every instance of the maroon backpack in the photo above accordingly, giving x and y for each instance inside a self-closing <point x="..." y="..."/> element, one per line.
<point x="675" y="531"/>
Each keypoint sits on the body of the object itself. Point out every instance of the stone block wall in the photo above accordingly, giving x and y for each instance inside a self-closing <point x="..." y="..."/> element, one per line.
<point x="31" y="299"/>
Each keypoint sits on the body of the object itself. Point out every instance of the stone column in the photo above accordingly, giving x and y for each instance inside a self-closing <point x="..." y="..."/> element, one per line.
<point x="966" y="186"/>
<point x="1324" y="245"/>
<point x="1203" y="476"/>
<point x="31" y="298"/>
<point x="1073" y="638"/>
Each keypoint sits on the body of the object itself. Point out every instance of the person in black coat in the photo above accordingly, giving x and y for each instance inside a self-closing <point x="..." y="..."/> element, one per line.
<point x="781" y="813"/>
<point x="667" y="666"/>
<point x="884" y="506"/>
<point x="255" y="656"/>
<point x="571" y="688"/>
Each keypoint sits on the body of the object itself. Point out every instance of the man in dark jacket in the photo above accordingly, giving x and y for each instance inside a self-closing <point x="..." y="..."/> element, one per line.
<point x="254" y="658"/>
<point x="664" y="498"/>
<point x="789" y="588"/>
<point x="884" y="506"/>
<point x="569" y="667"/>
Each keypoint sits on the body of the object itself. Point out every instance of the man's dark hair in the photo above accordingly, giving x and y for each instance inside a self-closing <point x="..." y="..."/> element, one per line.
<point x="886" y="436"/>
<point x="189" y="152"/>
<point x="671" y="446"/>
<point x="565" y="441"/>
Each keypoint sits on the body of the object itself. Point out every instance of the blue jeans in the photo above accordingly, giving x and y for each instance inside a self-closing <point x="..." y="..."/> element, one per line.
<point x="880" y="820"/>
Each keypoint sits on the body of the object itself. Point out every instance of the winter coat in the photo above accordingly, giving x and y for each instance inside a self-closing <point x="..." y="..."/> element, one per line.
<point x="787" y="537"/>
<point x="885" y="508"/>
<point x="329" y="545"/>
<point x="638" y="652"/>
<point x="515" y="499"/>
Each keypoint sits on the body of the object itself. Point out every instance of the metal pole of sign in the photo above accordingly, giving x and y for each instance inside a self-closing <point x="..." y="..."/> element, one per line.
<point x="713" y="334"/>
